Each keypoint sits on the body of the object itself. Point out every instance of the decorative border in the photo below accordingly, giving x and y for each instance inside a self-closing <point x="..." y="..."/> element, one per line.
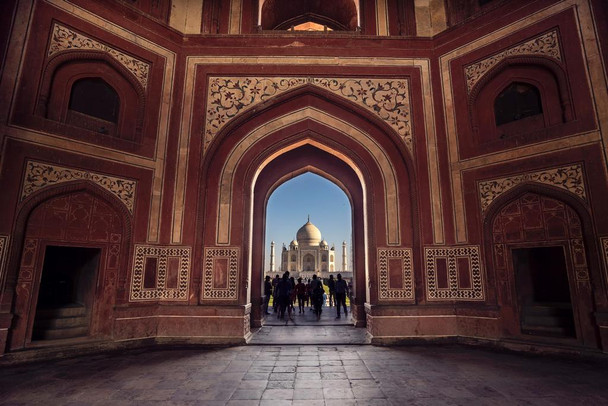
<point x="569" y="178"/>
<point x="231" y="291"/>
<point x="138" y="292"/>
<point x="604" y="248"/>
<point x="545" y="45"/>
<point x="39" y="175"/>
<point x="65" y="39"/>
<point x="389" y="99"/>
<point x="476" y="292"/>
<point x="386" y="293"/>
<point x="4" y="239"/>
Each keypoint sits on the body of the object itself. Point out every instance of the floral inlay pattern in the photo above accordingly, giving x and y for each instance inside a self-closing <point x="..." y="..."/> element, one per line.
<point x="545" y="45"/>
<point x="229" y="96"/>
<point x="65" y="39"/>
<point x="161" y="255"/>
<point x="39" y="175"/>
<point x="569" y="178"/>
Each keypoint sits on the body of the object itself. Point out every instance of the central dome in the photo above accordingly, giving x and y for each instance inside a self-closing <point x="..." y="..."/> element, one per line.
<point x="308" y="234"/>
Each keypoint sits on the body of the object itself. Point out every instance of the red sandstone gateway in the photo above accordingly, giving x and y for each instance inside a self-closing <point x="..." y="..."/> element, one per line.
<point x="142" y="140"/>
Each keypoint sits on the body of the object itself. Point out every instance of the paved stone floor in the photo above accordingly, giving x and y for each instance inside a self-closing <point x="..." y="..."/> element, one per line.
<point x="306" y="329"/>
<point x="308" y="375"/>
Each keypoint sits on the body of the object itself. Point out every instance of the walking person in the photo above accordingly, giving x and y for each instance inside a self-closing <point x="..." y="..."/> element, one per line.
<point x="275" y="292"/>
<point x="317" y="298"/>
<point x="301" y="292"/>
<point x="341" y="292"/>
<point x="267" y="293"/>
<point x="331" y="285"/>
<point x="284" y="295"/>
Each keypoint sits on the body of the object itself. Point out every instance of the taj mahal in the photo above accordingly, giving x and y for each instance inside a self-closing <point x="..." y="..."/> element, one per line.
<point x="309" y="254"/>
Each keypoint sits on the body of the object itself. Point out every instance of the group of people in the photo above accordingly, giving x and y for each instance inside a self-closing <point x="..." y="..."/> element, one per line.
<point x="285" y="291"/>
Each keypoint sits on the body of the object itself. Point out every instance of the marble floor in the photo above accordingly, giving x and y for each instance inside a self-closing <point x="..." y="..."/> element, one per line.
<point x="308" y="375"/>
<point x="304" y="328"/>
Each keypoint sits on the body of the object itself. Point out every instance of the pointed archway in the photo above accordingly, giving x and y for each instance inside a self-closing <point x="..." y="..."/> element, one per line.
<point x="307" y="132"/>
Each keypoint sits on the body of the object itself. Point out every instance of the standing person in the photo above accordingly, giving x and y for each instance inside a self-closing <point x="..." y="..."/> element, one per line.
<point x="331" y="284"/>
<point x="317" y="298"/>
<point x="341" y="292"/>
<point x="301" y="292"/>
<point x="313" y="284"/>
<point x="275" y="291"/>
<point x="293" y="296"/>
<point x="267" y="293"/>
<point x="308" y="293"/>
<point x="284" y="293"/>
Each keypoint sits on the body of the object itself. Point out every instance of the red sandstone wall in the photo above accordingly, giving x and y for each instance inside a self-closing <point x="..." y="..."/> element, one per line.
<point x="177" y="170"/>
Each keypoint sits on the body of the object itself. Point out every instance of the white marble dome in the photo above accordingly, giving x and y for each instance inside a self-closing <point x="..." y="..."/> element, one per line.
<point x="308" y="234"/>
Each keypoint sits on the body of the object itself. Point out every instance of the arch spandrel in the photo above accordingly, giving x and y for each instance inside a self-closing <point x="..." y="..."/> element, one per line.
<point x="386" y="98"/>
<point x="380" y="156"/>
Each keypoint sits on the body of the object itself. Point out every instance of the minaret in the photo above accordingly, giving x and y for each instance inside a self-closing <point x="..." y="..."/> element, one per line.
<point x="272" y="257"/>
<point x="344" y="265"/>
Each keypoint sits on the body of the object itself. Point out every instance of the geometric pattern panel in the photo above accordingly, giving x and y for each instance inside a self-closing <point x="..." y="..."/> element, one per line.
<point x="387" y="98"/>
<point x="604" y="245"/>
<point x="568" y="178"/>
<point x="395" y="273"/>
<point x="544" y="45"/>
<point x="453" y="273"/>
<point x="65" y="39"/>
<point x="162" y="256"/>
<point x="39" y="175"/>
<point x="3" y="255"/>
<point x="220" y="274"/>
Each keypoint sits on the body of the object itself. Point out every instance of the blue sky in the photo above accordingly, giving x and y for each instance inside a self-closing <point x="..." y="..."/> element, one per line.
<point x="291" y="203"/>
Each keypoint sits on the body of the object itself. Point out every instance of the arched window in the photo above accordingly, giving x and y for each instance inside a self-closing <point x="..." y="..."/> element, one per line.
<point x="293" y="258"/>
<point x="324" y="258"/>
<point x="517" y="101"/>
<point x="305" y="15"/>
<point x="94" y="97"/>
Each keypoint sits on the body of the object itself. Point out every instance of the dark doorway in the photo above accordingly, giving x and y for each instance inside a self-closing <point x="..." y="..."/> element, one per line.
<point x="543" y="291"/>
<point x="65" y="296"/>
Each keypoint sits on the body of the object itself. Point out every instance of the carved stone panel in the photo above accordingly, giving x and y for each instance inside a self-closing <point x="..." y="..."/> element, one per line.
<point x="395" y="274"/>
<point x="163" y="258"/>
<point x="39" y="175"/>
<point x="228" y="97"/>
<point x="66" y="39"/>
<point x="220" y="274"/>
<point x="544" y="45"/>
<point x="568" y="178"/>
<point x="453" y="273"/>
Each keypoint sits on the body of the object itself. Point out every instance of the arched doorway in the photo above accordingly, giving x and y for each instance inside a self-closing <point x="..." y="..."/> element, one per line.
<point x="538" y="251"/>
<point x="304" y="131"/>
<point x="321" y="213"/>
<point x="74" y="240"/>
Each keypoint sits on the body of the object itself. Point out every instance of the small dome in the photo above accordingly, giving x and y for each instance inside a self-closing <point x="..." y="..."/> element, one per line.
<point x="294" y="242"/>
<point x="309" y="234"/>
<point x="324" y="243"/>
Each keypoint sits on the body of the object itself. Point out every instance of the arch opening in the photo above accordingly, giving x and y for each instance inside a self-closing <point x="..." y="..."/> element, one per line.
<point x="304" y="256"/>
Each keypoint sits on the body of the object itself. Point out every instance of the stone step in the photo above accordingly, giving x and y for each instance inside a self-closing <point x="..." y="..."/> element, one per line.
<point x="71" y="310"/>
<point x="547" y="331"/>
<point x="61" y="322"/>
<point x="558" y="310"/>
<point x="60" y="333"/>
